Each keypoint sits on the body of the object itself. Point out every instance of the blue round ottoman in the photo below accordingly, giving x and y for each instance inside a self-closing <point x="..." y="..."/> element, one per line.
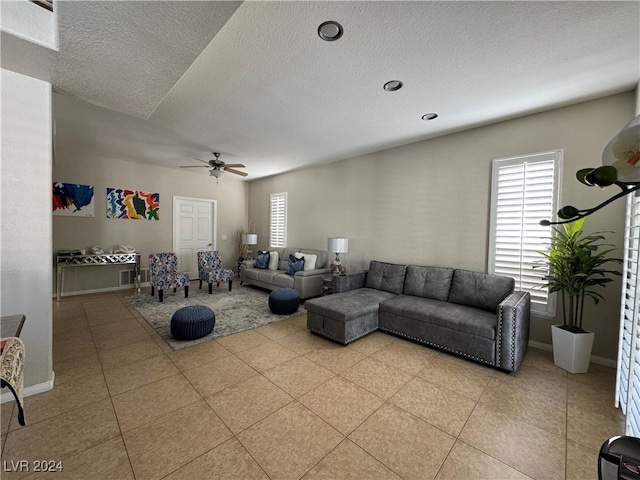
<point x="194" y="321"/>
<point x="284" y="301"/>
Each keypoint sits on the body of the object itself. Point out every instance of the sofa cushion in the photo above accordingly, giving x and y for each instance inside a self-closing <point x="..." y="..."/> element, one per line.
<point x="348" y="306"/>
<point x="479" y="290"/>
<point x="295" y="265"/>
<point x="457" y="317"/>
<point x="262" y="260"/>
<point x="259" y="275"/>
<point x="428" y="282"/>
<point x="281" y="279"/>
<point x="388" y="277"/>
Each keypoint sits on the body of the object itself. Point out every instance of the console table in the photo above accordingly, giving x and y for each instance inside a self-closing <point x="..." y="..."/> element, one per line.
<point x="66" y="261"/>
<point x="11" y="325"/>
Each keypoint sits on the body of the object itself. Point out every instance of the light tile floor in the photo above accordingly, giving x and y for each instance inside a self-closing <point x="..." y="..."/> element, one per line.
<point x="280" y="403"/>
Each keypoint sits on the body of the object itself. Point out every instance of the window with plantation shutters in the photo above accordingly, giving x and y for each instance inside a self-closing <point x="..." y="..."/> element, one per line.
<point x="628" y="375"/>
<point x="524" y="191"/>
<point x="278" y="220"/>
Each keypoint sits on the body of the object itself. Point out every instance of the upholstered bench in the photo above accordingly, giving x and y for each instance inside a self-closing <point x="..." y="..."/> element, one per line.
<point x="194" y="321"/>
<point x="347" y="316"/>
<point x="284" y="301"/>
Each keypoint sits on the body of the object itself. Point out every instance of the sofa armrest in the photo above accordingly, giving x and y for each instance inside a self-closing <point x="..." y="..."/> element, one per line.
<point x="312" y="273"/>
<point x="248" y="264"/>
<point x="512" y="334"/>
<point x="350" y="281"/>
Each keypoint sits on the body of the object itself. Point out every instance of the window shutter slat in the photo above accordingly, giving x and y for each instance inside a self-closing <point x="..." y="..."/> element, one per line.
<point x="524" y="191"/>
<point x="278" y="220"/>
<point x="628" y="372"/>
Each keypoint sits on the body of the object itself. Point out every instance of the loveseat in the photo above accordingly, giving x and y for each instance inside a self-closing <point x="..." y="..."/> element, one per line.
<point x="308" y="282"/>
<point x="475" y="315"/>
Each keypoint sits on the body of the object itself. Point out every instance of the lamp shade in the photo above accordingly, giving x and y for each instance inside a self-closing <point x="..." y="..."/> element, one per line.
<point x="250" y="239"/>
<point x="338" y="245"/>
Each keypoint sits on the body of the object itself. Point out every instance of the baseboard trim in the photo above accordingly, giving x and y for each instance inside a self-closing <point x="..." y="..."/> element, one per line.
<point x="31" y="390"/>
<point x="100" y="290"/>
<point x="594" y="358"/>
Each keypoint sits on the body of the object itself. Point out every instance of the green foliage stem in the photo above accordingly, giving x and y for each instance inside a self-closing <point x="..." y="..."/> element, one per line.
<point x="576" y="266"/>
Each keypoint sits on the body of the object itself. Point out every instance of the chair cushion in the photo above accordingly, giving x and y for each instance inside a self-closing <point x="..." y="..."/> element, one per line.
<point x="388" y="277"/>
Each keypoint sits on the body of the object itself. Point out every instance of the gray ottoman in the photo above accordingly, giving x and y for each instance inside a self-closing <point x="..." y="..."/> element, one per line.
<point x="284" y="301"/>
<point x="194" y="321"/>
<point x="347" y="316"/>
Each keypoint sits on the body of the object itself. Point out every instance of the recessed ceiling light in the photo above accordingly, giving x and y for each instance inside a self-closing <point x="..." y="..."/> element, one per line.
<point x="393" y="85"/>
<point x="429" y="116"/>
<point x="330" y="31"/>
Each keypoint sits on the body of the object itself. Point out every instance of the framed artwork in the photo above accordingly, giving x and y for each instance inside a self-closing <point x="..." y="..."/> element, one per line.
<point x="124" y="203"/>
<point x="73" y="200"/>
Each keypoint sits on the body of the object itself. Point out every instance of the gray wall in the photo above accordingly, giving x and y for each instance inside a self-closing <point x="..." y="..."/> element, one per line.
<point x="428" y="202"/>
<point x="25" y="217"/>
<point x="146" y="235"/>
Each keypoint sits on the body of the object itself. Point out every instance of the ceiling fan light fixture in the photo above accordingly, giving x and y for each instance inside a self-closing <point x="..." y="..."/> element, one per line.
<point x="429" y="116"/>
<point x="392" y="85"/>
<point x="330" y="31"/>
<point x="215" y="172"/>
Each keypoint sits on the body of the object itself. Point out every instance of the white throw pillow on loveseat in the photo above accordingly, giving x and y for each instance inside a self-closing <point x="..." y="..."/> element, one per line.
<point x="309" y="260"/>
<point x="274" y="260"/>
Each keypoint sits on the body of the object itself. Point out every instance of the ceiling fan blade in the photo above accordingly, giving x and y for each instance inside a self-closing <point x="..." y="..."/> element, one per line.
<point x="195" y="166"/>
<point x="200" y="160"/>
<point x="237" y="172"/>
<point x="235" y="165"/>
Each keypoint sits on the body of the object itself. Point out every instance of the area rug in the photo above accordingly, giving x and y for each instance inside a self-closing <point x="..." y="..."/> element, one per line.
<point x="240" y="309"/>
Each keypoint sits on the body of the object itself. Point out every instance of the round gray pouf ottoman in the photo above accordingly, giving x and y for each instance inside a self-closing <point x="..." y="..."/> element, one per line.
<point x="194" y="321"/>
<point x="284" y="301"/>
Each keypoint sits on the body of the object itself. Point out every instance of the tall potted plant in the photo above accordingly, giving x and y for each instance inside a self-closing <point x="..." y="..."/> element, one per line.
<point x="576" y="265"/>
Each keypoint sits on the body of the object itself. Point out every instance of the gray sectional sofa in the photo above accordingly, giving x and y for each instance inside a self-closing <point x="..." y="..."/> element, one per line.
<point x="308" y="283"/>
<point x="472" y="314"/>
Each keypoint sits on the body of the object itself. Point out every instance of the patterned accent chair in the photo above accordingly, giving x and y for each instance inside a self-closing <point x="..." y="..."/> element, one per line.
<point x="163" y="270"/>
<point x="210" y="269"/>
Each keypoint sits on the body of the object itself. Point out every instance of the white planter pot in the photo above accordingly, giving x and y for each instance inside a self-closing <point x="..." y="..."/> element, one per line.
<point x="571" y="351"/>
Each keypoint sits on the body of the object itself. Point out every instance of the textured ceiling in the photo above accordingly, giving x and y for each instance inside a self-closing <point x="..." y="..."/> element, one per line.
<point x="255" y="82"/>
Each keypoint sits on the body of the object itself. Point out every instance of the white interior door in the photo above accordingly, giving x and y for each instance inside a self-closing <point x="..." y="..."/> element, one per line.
<point x="194" y="230"/>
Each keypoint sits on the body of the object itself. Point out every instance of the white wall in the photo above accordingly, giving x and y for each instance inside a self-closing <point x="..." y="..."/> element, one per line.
<point x="427" y="203"/>
<point x="25" y="216"/>
<point x="72" y="166"/>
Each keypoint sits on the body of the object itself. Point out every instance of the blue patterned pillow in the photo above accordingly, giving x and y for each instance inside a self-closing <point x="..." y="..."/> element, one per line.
<point x="263" y="260"/>
<point x="295" y="265"/>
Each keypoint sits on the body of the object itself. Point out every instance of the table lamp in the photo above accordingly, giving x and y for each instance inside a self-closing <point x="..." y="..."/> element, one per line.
<point x="338" y="245"/>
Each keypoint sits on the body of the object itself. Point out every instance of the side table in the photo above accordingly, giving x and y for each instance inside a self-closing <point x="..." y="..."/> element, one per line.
<point x="328" y="285"/>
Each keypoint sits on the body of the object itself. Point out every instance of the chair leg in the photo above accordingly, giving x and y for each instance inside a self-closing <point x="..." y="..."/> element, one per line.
<point x="230" y="282"/>
<point x="186" y="291"/>
<point x="218" y="284"/>
<point x="200" y="287"/>
<point x="210" y="288"/>
<point x="152" y="291"/>
<point x="175" y="289"/>
<point x="160" y="294"/>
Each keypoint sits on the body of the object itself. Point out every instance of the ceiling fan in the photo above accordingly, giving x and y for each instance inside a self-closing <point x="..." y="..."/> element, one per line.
<point x="217" y="166"/>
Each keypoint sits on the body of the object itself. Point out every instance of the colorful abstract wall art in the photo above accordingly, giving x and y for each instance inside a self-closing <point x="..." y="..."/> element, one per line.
<point x="72" y="199"/>
<point x="123" y="203"/>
